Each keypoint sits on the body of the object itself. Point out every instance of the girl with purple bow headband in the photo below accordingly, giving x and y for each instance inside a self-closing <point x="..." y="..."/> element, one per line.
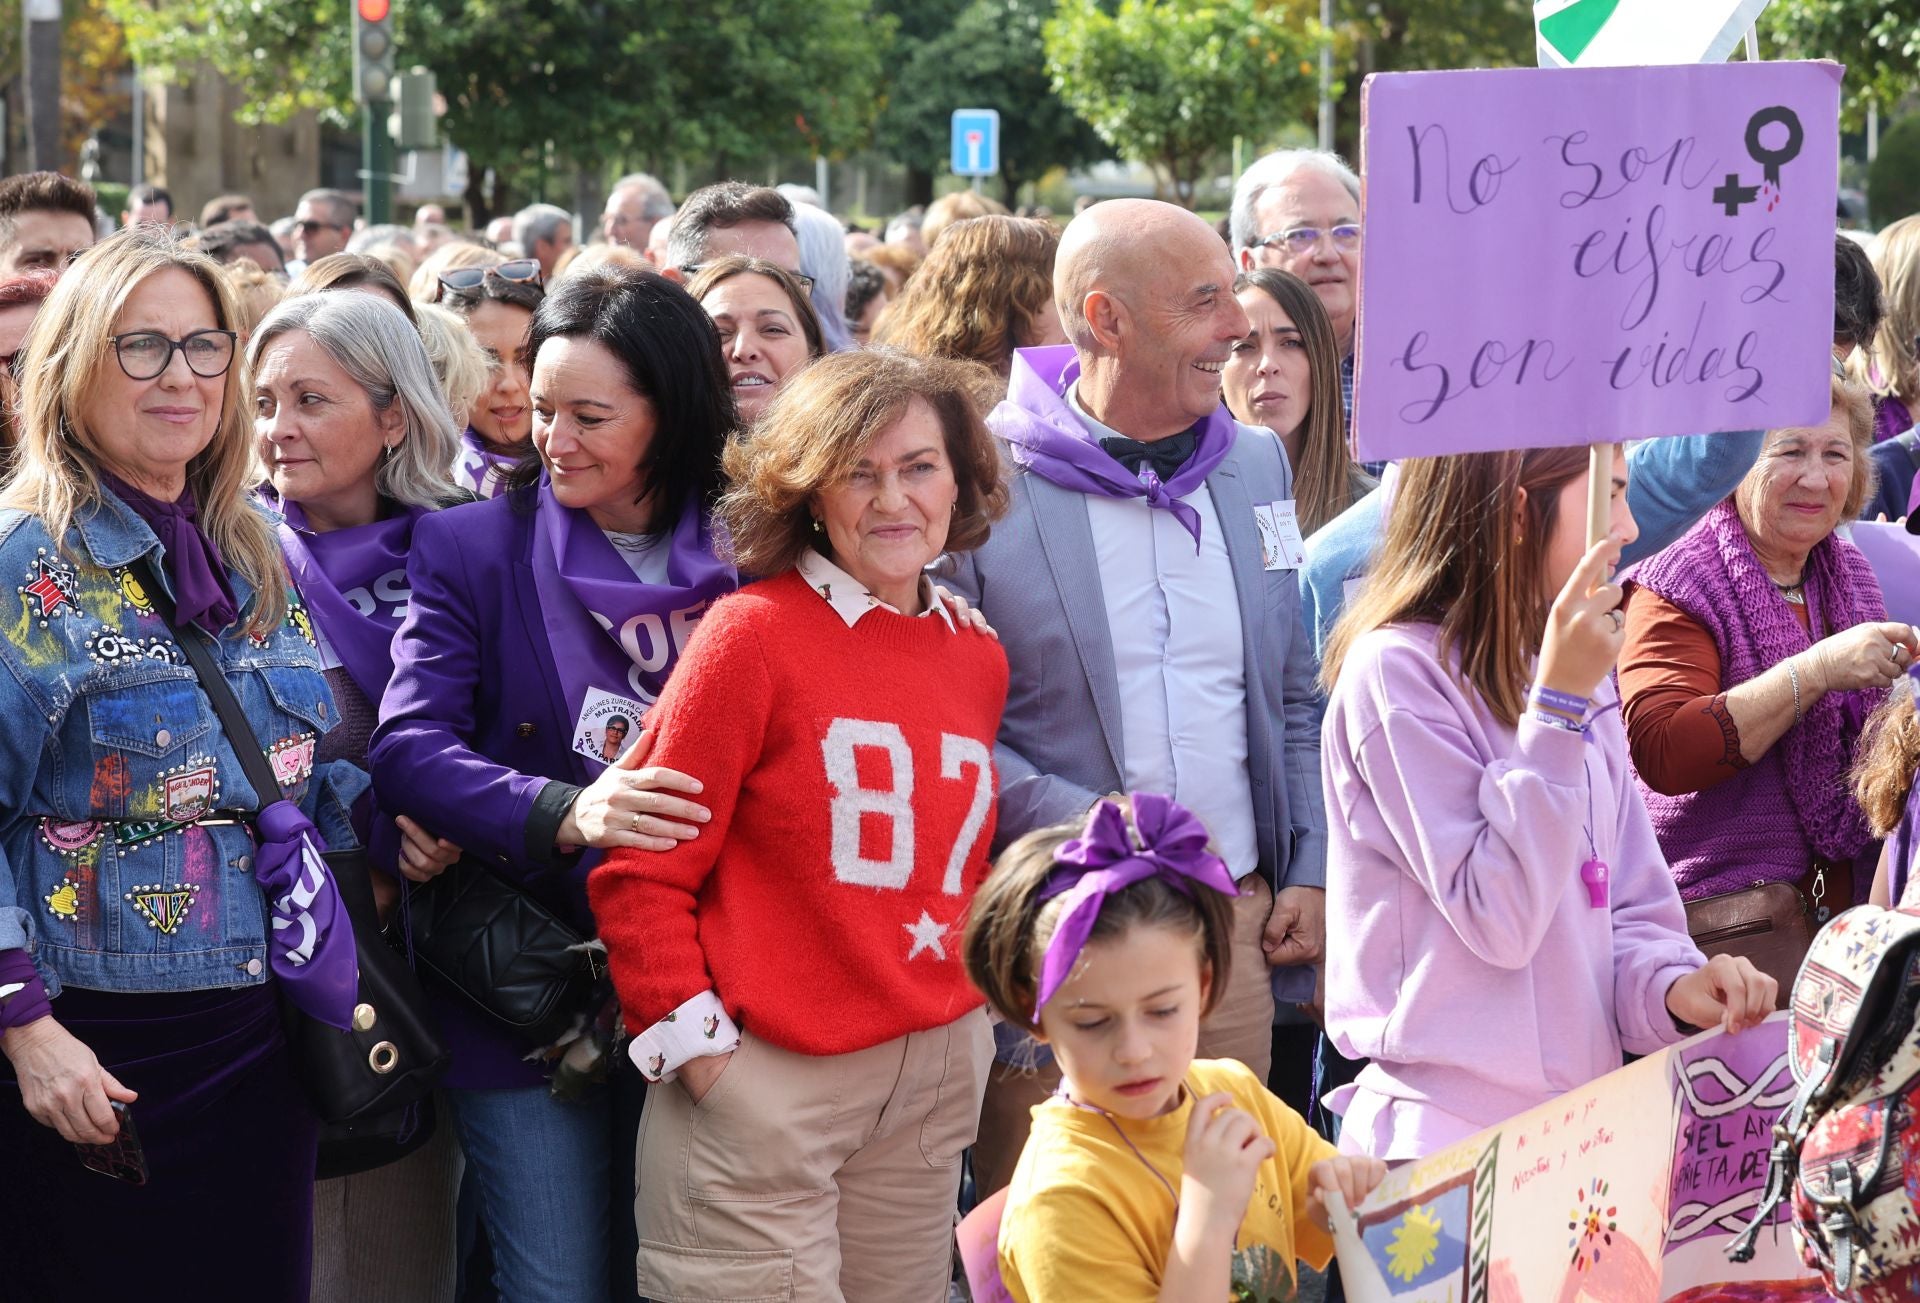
<point x="1111" y="942"/>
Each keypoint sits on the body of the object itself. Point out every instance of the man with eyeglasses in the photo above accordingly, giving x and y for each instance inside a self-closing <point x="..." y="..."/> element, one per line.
<point x="732" y="217"/>
<point x="321" y="225"/>
<point x="637" y="204"/>
<point x="46" y="221"/>
<point x="1299" y="210"/>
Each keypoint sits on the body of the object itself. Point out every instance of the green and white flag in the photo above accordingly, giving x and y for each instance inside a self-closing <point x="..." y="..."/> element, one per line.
<point x="1622" y="33"/>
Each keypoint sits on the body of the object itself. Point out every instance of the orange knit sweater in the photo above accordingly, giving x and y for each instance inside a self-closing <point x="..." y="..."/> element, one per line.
<point x="850" y="776"/>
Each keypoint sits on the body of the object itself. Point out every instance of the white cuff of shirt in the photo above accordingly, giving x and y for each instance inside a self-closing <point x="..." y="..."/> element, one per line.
<point x="698" y="1028"/>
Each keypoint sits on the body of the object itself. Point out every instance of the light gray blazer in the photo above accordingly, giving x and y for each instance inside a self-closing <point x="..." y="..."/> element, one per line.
<point x="1037" y="580"/>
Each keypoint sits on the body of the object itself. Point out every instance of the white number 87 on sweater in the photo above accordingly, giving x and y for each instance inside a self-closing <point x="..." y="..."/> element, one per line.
<point x="850" y="801"/>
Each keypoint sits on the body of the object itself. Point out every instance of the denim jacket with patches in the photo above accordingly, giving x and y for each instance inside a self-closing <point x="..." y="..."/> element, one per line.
<point x="123" y="871"/>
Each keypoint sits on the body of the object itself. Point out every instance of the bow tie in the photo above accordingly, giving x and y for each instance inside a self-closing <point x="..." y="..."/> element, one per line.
<point x="1164" y="456"/>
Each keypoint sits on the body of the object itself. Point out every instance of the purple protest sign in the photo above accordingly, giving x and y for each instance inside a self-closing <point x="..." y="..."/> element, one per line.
<point x="1583" y="255"/>
<point x="1894" y="555"/>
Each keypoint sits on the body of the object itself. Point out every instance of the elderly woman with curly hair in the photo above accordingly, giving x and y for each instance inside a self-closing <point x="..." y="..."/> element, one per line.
<point x="1756" y="647"/>
<point x="985" y="290"/>
<point x="842" y="725"/>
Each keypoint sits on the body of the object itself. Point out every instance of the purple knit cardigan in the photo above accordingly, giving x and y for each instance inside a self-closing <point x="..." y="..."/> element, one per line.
<point x="1766" y="822"/>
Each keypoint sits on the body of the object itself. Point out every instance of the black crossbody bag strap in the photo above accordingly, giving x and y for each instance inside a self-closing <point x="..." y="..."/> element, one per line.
<point x="246" y="744"/>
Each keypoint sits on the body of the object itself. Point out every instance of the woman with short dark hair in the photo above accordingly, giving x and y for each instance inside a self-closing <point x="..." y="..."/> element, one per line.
<point x="538" y="619"/>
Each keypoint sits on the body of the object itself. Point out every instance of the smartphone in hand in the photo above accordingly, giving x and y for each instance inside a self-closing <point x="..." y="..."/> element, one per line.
<point x="121" y="1158"/>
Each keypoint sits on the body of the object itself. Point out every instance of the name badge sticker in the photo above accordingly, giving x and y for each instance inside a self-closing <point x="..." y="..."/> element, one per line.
<point x="1281" y="547"/>
<point x="607" y="725"/>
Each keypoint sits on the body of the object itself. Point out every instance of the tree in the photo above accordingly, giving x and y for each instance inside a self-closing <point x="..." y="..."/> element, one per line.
<point x="532" y="84"/>
<point x="1170" y="83"/>
<point x="94" y="85"/>
<point x="991" y="57"/>
<point x="1411" y="35"/>
<point x="1878" y="41"/>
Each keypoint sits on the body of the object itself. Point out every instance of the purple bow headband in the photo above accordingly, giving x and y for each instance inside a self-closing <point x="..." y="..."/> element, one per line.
<point x="1105" y="859"/>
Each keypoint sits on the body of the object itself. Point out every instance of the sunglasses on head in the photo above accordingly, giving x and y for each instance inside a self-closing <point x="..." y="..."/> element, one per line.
<point x="521" y="271"/>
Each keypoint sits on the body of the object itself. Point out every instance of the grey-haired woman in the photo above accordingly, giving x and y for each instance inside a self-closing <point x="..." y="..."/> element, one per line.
<point x="355" y="437"/>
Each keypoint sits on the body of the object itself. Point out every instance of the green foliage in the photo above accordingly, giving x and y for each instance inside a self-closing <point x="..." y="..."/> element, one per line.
<point x="1893" y="178"/>
<point x="531" y="84"/>
<point x="1170" y="83"/>
<point x="1878" y="41"/>
<point x="991" y="56"/>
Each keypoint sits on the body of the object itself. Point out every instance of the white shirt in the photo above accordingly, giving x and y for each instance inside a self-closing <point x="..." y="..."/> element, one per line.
<point x="1174" y="616"/>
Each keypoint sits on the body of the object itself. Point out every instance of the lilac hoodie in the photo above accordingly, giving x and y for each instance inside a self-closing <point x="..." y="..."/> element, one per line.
<point x="1471" y="967"/>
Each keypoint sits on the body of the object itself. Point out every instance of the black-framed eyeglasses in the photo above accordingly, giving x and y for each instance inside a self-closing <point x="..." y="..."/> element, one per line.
<point x="693" y="269"/>
<point x="521" y="271"/>
<point x="1305" y="239"/>
<point x="144" y="354"/>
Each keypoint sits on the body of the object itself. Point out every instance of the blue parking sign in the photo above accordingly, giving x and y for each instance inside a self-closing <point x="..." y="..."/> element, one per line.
<point x="976" y="142"/>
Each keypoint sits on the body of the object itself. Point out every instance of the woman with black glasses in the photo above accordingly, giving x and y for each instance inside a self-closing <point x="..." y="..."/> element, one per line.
<point x="149" y="925"/>
<point x="498" y="303"/>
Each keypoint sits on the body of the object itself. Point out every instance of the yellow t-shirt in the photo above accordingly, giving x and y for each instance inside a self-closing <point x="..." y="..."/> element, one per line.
<point x="1085" y="1219"/>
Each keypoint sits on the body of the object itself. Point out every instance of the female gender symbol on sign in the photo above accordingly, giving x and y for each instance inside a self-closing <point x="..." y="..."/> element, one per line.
<point x="1731" y="195"/>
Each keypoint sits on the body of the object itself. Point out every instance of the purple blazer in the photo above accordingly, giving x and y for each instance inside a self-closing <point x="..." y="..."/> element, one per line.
<point x="473" y="737"/>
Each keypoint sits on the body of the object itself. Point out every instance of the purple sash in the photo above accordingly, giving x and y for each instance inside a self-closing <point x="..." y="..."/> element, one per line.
<point x="481" y="466"/>
<point x="354" y="582"/>
<point x="1047" y="438"/>
<point x="607" y="630"/>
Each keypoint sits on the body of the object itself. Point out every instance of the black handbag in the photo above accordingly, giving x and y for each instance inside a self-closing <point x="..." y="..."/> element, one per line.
<point x="502" y="951"/>
<point x="392" y="1056"/>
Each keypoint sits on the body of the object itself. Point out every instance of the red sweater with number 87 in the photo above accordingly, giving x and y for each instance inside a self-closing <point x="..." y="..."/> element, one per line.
<point x="850" y="776"/>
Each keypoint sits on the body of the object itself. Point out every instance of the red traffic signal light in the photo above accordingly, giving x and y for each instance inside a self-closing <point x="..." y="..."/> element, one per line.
<point x="374" y="11"/>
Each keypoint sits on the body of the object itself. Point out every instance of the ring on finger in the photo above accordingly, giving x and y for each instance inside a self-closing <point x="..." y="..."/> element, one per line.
<point x="636" y="823"/>
<point x="1619" y="619"/>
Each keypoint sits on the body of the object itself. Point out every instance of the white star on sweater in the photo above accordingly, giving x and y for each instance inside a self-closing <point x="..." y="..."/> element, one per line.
<point x="926" y="935"/>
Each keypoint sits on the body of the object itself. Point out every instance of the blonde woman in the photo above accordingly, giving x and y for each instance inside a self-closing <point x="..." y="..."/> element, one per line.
<point x="148" y="926"/>
<point x="458" y="361"/>
<point x="1891" y="368"/>
<point x="987" y="290"/>
<point x="1285" y="375"/>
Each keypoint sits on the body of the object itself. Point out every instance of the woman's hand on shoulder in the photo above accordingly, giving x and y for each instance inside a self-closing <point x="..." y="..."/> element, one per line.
<point x="965" y="615"/>
<point x="1586" y="626"/>
<point x="631" y="804"/>
<point x="62" y="1083"/>
<point x="1727" y="991"/>
<point x="1871" y="655"/>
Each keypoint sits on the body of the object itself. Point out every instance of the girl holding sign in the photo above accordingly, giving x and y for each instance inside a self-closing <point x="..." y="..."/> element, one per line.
<point x="539" y="618"/>
<point x="1510" y="924"/>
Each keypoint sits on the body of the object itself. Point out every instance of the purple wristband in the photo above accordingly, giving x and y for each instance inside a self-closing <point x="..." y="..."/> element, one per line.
<point x="30" y="1002"/>
<point x="1560" y="703"/>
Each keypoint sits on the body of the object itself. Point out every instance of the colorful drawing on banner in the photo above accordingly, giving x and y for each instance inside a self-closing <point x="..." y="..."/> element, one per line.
<point x="1582" y="255"/>
<point x="1622" y="1190"/>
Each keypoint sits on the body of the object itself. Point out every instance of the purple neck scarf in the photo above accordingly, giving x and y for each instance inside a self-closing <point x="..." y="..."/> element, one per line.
<point x="354" y="582"/>
<point x="201" y="593"/>
<point x="481" y="466"/>
<point x="1105" y="860"/>
<point x="606" y="629"/>
<point x="311" y="946"/>
<point x="1046" y="437"/>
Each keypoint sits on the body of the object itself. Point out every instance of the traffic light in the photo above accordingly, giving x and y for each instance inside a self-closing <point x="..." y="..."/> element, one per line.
<point x="373" y="51"/>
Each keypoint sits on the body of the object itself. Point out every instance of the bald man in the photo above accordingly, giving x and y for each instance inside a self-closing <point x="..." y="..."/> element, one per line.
<point x="1143" y="588"/>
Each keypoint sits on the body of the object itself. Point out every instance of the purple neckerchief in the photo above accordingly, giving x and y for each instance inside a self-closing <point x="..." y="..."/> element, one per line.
<point x="311" y="946"/>
<point x="201" y="594"/>
<point x="354" y="582"/>
<point x="605" y="628"/>
<point x="1046" y="437"/>
<point x="481" y="466"/>
<point x="1105" y="860"/>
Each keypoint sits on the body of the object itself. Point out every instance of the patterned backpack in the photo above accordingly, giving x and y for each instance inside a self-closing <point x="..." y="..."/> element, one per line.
<point x="1847" y="1149"/>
